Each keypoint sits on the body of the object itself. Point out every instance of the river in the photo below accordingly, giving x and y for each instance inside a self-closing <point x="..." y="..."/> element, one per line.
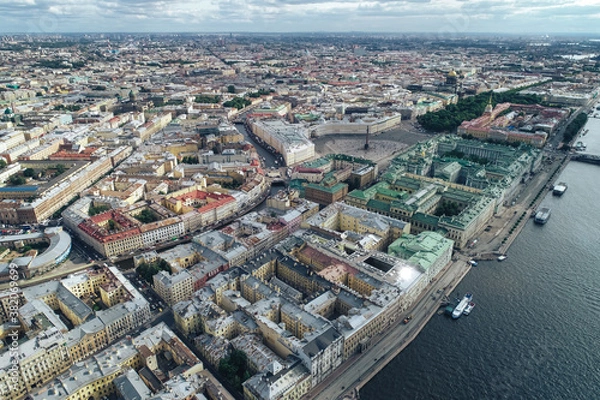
<point x="534" y="331"/>
<point x="268" y="158"/>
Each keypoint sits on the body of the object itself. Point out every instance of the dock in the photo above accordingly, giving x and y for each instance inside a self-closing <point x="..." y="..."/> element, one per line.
<point x="354" y="373"/>
<point x="586" y="158"/>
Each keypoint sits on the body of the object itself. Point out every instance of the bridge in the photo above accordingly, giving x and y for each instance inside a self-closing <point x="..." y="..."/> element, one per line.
<point x="277" y="176"/>
<point x="586" y="158"/>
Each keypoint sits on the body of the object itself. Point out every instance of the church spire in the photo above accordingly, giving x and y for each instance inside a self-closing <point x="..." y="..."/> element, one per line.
<point x="489" y="108"/>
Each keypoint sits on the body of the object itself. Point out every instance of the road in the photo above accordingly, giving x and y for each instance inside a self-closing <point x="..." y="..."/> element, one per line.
<point x="359" y="369"/>
<point x="491" y="239"/>
<point x="54" y="274"/>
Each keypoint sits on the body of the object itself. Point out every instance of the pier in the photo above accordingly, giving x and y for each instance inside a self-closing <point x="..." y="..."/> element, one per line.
<point x="586" y="158"/>
<point x="346" y="381"/>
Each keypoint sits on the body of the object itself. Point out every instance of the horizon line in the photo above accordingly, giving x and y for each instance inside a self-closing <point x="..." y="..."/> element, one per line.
<point x="313" y="32"/>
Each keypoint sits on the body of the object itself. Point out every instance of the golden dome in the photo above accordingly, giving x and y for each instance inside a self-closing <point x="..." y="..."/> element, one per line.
<point x="452" y="74"/>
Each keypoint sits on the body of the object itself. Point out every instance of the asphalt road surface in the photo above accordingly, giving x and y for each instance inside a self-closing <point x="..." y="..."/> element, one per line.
<point x="357" y="370"/>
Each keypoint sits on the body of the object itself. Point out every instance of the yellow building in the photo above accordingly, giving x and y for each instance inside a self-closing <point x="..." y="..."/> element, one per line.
<point x="187" y="318"/>
<point x="39" y="360"/>
<point x="362" y="283"/>
<point x="85" y="284"/>
<point x="112" y="294"/>
<point x="290" y="384"/>
<point x="174" y="288"/>
<point x="93" y="378"/>
<point x="87" y="340"/>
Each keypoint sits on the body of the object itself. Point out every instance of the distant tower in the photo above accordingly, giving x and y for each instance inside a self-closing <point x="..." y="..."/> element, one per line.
<point x="132" y="96"/>
<point x="489" y="108"/>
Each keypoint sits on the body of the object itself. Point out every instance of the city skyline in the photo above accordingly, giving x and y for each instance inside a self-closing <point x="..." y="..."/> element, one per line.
<point x="443" y="17"/>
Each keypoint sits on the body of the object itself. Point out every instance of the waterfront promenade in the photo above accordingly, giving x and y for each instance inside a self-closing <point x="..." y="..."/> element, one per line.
<point x="359" y="369"/>
<point x="346" y="381"/>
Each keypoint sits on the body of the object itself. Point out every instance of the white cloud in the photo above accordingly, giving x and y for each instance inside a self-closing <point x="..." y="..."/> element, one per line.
<point x="300" y="15"/>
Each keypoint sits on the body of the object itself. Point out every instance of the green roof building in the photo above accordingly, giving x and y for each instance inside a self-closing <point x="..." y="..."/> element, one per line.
<point x="431" y="251"/>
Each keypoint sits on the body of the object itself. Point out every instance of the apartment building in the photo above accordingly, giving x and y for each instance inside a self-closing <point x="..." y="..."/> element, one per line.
<point x="92" y="378"/>
<point x="38" y="360"/>
<point x="57" y="196"/>
<point x="174" y="288"/>
<point x="291" y="141"/>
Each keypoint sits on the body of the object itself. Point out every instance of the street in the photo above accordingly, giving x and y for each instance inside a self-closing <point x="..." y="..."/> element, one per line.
<point x="360" y="368"/>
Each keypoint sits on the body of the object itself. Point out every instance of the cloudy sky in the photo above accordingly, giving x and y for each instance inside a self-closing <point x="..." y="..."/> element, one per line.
<point x="438" y="16"/>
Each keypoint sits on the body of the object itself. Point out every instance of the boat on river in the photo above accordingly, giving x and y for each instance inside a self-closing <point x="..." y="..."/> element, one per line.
<point x="559" y="189"/>
<point x="461" y="307"/>
<point x="469" y="308"/>
<point x="542" y="216"/>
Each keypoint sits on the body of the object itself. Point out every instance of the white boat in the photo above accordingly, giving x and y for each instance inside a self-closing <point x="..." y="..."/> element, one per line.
<point x="502" y="257"/>
<point x="559" y="189"/>
<point x="460" y="308"/>
<point x="580" y="146"/>
<point x="473" y="263"/>
<point x="542" y="216"/>
<point x="469" y="308"/>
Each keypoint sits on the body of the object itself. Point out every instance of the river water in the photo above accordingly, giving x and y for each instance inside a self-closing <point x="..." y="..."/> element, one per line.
<point x="535" y="331"/>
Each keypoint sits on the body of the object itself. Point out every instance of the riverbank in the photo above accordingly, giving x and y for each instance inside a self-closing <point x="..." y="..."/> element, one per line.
<point x="505" y="350"/>
<point x="356" y="372"/>
<point x="460" y="269"/>
<point x="503" y="229"/>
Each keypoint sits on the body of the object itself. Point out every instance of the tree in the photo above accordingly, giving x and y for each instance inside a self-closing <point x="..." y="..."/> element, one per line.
<point x="469" y="108"/>
<point x="237" y="102"/>
<point x="147" y="271"/>
<point x="234" y="368"/>
<point x="94" y="210"/>
<point x="2" y="163"/>
<point x="60" y="168"/>
<point x="574" y="127"/>
<point x="146" y="216"/>
<point x="25" y="249"/>
<point x="207" y="99"/>
<point x="17" y="180"/>
<point x="448" y="208"/>
<point x="230" y="89"/>
<point x="190" y="160"/>
<point x="28" y="172"/>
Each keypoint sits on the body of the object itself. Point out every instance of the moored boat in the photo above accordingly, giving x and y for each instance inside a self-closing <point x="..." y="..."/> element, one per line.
<point x="502" y="257"/>
<point x="460" y="308"/>
<point x="580" y="146"/>
<point x="469" y="308"/>
<point x="542" y="216"/>
<point x="559" y="189"/>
